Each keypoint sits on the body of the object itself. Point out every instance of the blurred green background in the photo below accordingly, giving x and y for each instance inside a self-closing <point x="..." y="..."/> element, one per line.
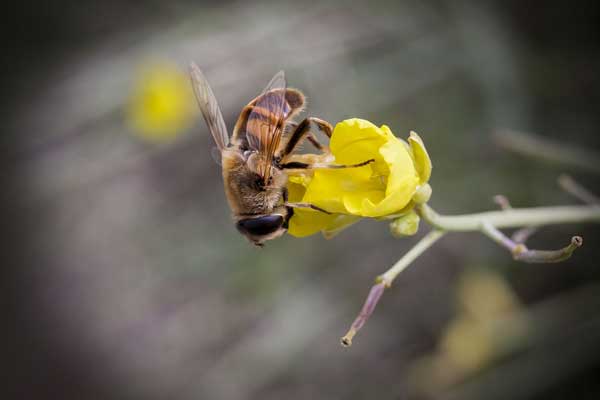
<point x="127" y="280"/>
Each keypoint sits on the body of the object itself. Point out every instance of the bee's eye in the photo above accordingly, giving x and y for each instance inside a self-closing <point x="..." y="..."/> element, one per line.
<point x="260" y="226"/>
<point x="258" y="184"/>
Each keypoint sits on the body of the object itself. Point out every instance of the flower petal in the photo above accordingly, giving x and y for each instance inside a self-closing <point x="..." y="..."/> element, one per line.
<point x="306" y="222"/>
<point x="380" y="189"/>
<point x="422" y="160"/>
<point x="340" y="223"/>
<point x="329" y="188"/>
<point x="356" y="140"/>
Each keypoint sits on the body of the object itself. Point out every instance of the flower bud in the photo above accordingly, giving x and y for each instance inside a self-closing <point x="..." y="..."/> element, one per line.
<point x="406" y="225"/>
<point x="422" y="194"/>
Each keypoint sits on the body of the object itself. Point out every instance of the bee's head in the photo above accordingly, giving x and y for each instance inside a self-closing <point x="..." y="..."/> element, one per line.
<point x="262" y="228"/>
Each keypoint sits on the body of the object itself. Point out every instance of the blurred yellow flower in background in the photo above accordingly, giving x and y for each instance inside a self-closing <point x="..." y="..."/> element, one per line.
<point x="161" y="105"/>
<point x="383" y="188"/>
<point x="490" y="325"/>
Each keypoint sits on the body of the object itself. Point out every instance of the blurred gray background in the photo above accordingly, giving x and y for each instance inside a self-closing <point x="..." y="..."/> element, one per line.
<point x="127" y="280"/>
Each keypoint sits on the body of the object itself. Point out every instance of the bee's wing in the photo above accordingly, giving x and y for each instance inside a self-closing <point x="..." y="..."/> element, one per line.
<point x="209" y="107"/>
<point x="266" y="121"/>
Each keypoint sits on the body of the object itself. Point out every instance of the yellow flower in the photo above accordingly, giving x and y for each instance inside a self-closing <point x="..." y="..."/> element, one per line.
<point x="161" y="104"/>
<point x="383" y="188"/>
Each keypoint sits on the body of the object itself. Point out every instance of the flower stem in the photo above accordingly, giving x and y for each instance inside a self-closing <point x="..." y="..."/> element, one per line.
<point x="520" y="252"/>
<point x="388" y="276"/>
<point x="385" y="280"/>
<point x="368" y="308"/>
<point x="487" y="223"/>
<point x="511" y="218"/>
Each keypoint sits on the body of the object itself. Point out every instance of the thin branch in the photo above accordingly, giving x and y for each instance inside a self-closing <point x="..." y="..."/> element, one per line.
<point x="521" y="235"/>
<point x="550" y="150"/>
<point x="488" y="223"/>
<point x="550" y="256"/>
<point x="569" y="185"/>
<point x="366" y="311"/>
<point x="385" y="281"/>
<point x="502" y="202"/>
<point x="493" y="233"/>
<point x="388" y="276"/>
<point x="520" y="252"/>
<point x="513" y="218"/>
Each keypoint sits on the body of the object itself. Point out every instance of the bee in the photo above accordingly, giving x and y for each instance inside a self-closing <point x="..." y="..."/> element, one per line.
<point x="256" y="159"/>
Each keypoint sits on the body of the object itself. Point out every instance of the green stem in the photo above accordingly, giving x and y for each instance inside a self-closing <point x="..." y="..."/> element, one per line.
<point x="511" y="218"/>
<point x="487" y="223"/>
<point x="388" y="277"/>
<point x="385" y="280"/>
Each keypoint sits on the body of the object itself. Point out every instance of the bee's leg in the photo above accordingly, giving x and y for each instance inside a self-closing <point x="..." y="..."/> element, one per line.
<point x="309" y="136"/>
<point x="302" y="131"/>
<point x="301" y="165"/>
<point x="307" y="205"/>
<point x="313" y="140"/>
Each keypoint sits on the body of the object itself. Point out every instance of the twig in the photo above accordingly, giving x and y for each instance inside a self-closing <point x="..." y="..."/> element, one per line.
<point x="488" y="223"/>
<point x="521" y="235"/>
<point x="520" y="252"/>
<point x="549" y="150"/>
<point x="502" y="202"/>
<point x="513" y="218"/>
<point x="550" y="256"/>
<point x="569" y="185"/>
<point x="366" y="311"/>
<point x="388" y="276"/>
<point x="385" y="281"/>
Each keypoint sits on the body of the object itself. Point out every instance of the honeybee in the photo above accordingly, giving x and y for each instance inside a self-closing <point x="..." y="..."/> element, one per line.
<point x="259" y="153"/>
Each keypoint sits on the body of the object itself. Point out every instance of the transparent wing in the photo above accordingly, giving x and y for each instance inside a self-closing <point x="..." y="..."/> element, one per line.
<point x="266" y="122"/>
<point x="216" y="155"/>
<point x="209" y="107"/>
